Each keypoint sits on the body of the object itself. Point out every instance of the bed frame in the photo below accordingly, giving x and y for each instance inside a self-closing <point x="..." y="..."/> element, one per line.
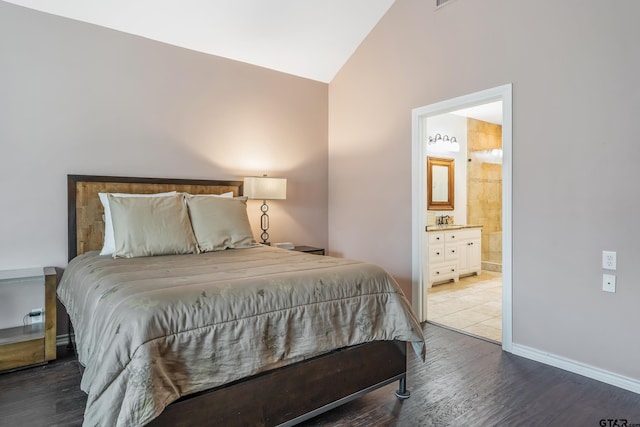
<point x="285" y="396"/>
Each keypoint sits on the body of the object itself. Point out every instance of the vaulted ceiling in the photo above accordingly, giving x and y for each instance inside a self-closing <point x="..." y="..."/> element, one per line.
<point x="307" y="38"/>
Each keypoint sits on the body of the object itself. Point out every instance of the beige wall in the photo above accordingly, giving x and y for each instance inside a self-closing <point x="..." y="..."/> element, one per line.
<point x="574" y="66"/>
<point x="76" y="98"/>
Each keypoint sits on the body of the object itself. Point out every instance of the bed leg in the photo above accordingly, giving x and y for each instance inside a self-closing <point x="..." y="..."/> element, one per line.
<point x="403" y="393"/>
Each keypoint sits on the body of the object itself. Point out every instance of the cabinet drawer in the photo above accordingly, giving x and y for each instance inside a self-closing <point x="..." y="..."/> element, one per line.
<point x="451" y="253"/>
<point x="453" y="236"/>
<point x="436" y="254"/>
<point x="436" y="238"/>
<point x="443" y="272"/>
<point x="22" y="353"/>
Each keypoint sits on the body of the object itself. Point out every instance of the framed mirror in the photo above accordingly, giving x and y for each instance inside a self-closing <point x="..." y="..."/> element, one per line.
<point x="440" y="184"/>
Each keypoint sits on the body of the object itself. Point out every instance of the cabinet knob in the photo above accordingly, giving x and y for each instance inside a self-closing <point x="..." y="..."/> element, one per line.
<point x="437" y="253"/>
<point x="437" y="272"/>
<point x="453" y="269"/>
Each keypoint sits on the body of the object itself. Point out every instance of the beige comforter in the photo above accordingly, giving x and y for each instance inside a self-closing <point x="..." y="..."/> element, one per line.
<point x="150" y="330"/>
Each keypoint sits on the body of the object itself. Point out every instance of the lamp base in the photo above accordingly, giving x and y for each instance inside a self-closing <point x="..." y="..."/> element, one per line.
<point x="264" y="223"/>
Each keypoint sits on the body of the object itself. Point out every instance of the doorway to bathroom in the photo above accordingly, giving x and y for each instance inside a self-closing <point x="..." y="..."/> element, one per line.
<point x="470" y="301"/>
<point x="478" y="300"/>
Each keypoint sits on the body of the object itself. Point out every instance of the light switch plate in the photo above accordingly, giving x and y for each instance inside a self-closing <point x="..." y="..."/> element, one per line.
<point x="609" y="283"/>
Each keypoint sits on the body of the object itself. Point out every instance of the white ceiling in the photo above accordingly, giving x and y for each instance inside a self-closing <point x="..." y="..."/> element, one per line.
<point x="491" y="112"/>
<point x="307" y="38"/>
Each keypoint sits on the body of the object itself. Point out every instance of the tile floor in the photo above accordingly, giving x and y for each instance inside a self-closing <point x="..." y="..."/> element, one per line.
<point x="472" y="305"/>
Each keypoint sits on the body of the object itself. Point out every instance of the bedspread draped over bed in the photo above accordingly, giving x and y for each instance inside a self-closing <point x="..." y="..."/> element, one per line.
<point x="150" y="330"/>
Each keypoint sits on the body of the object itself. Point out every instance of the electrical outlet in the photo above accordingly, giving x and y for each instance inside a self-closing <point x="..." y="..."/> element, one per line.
<point x="36" y="315"/>
<point x="609" y="283"/>
<point x="609" y="260"/>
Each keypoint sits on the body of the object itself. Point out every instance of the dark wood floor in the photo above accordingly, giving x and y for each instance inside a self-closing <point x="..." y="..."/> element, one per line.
<point x="465" y="382"/>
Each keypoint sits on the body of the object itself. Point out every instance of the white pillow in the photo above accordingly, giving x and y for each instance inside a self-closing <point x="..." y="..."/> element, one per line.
<point x="220" y="223"/>
<point x="109" y="246"/>
<point x="147" y="226"/>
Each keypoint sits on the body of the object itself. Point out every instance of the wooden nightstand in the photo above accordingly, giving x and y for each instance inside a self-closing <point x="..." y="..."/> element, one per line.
<point x="31" y="344"/>
<point x="309" y="250"/>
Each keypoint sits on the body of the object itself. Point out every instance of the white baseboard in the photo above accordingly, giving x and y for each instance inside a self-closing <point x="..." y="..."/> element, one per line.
<point x="577" y="367"/>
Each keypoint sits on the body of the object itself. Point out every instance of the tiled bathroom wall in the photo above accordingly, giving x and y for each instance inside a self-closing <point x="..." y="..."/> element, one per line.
<point x="484" y="189"/>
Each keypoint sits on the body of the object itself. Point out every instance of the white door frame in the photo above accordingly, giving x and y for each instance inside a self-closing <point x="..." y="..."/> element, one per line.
<point x="419" y="204"/>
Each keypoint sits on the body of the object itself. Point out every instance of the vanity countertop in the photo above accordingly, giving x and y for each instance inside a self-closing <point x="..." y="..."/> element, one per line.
<point x="432" y="228"/>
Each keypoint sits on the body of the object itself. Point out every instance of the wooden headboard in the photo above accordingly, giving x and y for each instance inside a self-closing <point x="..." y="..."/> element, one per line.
<point x="86" y="224"/>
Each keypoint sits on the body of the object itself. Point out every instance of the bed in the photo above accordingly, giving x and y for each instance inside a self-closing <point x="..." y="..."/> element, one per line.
<point x="246" y="336"/>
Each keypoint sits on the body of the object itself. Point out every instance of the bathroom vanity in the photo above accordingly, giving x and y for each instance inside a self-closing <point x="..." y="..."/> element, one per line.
<point x="452" y="251"/>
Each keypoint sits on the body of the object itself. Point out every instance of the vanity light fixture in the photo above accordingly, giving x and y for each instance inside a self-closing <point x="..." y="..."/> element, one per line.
<point x="443" y="143"/>
<point x="265" y="188"/>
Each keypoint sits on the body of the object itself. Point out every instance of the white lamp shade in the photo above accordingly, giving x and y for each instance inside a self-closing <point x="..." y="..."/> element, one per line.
<point x="265" y="188"/>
